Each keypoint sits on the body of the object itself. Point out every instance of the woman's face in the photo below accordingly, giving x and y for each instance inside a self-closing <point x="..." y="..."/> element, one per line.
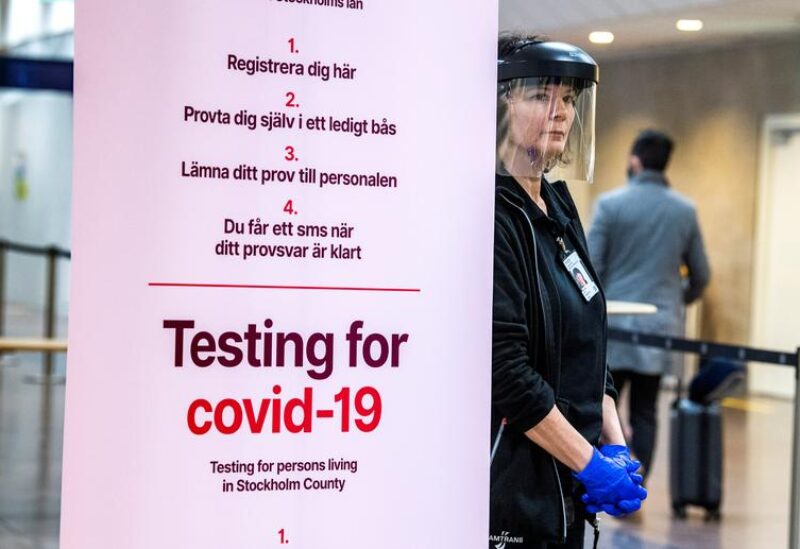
<point x="540" y="118"/>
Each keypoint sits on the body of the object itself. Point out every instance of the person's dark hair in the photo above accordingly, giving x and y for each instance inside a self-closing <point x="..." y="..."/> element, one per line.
<point x="509" y="42"/>
<point x="653" y="148"/>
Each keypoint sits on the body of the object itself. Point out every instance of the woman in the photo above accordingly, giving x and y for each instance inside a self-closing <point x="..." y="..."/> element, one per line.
<point x="552" y="396"/>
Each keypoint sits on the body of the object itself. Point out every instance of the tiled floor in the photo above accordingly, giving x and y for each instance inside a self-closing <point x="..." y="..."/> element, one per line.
<point x="31" y="429"/>
<point x="756" y="492"/>
<point x="31" y="433"/>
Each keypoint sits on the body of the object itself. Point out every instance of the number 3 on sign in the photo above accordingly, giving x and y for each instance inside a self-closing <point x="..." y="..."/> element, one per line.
<point x="289" y="208"/>
<point x="282" y="534"/>
<point x="290" y="156"/>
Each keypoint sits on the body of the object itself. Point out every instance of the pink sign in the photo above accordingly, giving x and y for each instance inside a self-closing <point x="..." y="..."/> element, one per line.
<point x="281" y="301"/>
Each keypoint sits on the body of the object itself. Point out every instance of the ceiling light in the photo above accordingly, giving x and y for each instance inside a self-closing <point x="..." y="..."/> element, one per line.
<point x="689" y="25"/>
<point x="601" y="37"/>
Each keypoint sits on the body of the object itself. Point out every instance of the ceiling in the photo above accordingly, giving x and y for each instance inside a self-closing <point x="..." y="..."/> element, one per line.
<point x="641" y="26"/>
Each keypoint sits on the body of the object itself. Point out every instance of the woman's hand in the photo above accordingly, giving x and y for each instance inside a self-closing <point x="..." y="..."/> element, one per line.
<point x="610" y="487"/>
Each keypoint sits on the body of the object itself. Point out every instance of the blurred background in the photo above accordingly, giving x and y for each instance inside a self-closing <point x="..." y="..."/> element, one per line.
<point x="36" y="51"/>
<point x="722" y="77"/>
<point x="712" y="90"/>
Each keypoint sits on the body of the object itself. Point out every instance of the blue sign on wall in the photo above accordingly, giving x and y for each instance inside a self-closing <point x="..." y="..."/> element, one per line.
<point x="35" y="74"/>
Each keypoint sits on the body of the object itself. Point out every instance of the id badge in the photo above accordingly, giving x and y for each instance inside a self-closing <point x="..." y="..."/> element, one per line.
<point x="580" y="276"/>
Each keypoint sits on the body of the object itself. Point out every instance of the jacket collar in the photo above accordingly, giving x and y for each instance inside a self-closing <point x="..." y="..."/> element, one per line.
<point x="510" y="189"/>
<point x="553" y="194"/>
<point x="649" y="177"/>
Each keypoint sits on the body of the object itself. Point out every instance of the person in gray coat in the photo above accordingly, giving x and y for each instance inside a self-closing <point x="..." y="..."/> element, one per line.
<point x="640" y="238"/>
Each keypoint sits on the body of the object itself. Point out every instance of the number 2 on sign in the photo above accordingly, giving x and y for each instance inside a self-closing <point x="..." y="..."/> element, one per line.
<point x="282" y="534"/>
<point x="289" y="208"/>
<point x="290" y="100"/>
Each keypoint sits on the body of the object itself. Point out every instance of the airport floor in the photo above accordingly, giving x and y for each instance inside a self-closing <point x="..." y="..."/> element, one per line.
<point x="757" y="435"/>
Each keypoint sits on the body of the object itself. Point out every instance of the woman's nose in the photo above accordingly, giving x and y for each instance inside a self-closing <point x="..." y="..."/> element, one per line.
<point x="558" y="110"/>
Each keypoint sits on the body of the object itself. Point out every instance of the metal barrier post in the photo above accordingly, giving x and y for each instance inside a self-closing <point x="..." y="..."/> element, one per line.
<point x="2" y="287"/>
<point x="794" y="516"/>
<point x="50" y="307"/>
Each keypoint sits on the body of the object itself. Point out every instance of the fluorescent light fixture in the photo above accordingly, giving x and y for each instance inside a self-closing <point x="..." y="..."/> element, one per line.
<point x="689" y="25"/>
<point x="601" y="37"/>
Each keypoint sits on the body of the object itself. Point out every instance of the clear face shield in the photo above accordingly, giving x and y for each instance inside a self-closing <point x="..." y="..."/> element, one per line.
<point x="545" y="127"/>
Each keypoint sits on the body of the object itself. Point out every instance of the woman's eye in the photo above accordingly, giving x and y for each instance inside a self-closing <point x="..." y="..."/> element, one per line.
<point x="539" y="96"/>
<point x="570" y="99"/>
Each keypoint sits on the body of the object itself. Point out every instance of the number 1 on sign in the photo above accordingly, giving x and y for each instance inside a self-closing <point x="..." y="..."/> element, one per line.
<point x="282" y="534"/>
<point x="292" y="48"/>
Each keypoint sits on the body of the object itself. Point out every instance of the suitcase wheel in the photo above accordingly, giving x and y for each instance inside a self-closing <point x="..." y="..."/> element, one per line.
<point x="679" y="511"/>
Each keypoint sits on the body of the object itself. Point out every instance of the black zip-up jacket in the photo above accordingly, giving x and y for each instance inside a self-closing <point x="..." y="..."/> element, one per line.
<point x="528" y="378"/>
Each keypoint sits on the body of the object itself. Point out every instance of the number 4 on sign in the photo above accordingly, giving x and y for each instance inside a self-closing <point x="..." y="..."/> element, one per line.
<point x="289" y="208"/>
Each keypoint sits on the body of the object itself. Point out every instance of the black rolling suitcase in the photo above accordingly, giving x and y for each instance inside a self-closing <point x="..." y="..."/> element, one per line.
<point x="695" y="465"/>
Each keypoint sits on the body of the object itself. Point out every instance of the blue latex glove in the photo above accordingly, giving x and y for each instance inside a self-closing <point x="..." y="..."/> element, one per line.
<point x="609" y="486"/>
<point x="623" y="507"/>
<point x="619" y="509"/>
<point x="621" y="453"/>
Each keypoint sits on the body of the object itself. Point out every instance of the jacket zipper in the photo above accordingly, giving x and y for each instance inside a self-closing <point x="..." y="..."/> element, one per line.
<point x="544" y="317"/>
<point x="561" y="500"/>
<point x="605" y="334"/>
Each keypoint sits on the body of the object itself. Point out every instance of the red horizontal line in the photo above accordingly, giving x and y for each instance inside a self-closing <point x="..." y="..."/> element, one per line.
<point x="277" y="287"/>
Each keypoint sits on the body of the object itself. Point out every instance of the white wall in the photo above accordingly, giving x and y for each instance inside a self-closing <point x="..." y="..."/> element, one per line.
<point x="776" y="293"/>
